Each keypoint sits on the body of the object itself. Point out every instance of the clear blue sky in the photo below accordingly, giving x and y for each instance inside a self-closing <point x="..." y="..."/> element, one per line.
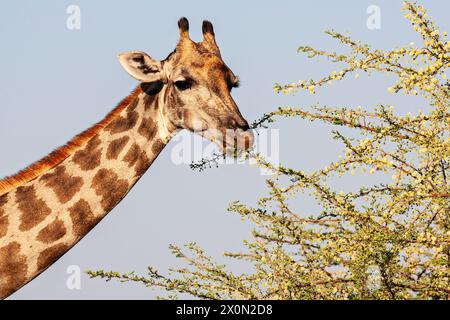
<point x="55" y="82"/>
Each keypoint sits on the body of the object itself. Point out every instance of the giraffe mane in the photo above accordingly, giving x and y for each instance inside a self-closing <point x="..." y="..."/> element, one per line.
<point x="37" y="168"/>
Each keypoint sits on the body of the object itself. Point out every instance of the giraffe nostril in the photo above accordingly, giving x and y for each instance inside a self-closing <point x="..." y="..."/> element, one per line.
<point x="232" y="124"/>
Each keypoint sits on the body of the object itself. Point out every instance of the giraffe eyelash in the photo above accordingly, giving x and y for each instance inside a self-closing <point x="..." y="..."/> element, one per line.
<point x="234" y="84"/>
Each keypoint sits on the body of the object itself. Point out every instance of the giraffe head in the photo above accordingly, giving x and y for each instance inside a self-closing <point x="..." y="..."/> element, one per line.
<point x="196" y="85"/>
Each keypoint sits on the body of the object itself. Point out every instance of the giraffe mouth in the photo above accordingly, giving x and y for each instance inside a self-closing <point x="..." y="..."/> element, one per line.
<point x="231" y="140"/>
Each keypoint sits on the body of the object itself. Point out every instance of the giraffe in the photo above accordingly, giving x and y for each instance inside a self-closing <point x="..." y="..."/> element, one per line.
<point x="48" y="207"/>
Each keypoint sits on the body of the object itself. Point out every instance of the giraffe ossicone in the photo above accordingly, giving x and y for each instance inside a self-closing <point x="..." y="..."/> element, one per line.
<point x="48" y="207"/>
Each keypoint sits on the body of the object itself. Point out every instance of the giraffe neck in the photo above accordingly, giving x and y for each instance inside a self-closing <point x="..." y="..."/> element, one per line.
<point x="42" y="219"/>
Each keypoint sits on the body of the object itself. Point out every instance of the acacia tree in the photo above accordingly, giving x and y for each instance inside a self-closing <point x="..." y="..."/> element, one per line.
<point x="385" y="241"/>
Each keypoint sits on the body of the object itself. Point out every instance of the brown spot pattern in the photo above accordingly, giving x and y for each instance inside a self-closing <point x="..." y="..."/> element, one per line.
<point x="13" y="269"/>
<point x="33" y="209"/>
<point x="89" y="158"/>
<point x="107" y="185"/>
<point x="132" y="106"/>
<point x="50" y="255"/>
<point x="157" y="146"/>
<point x="53" y="232"/>
<point x="82" y="217"/>
<point x="40" y="167"/>
<point x="3" y="224"/>
<point x="126" y="123"/>
<point x="148" y="100"/>
<point x="3" y="200"/>
<point x="115" y="147"/>
<point x="147" y="129"/>
<point x="63" y="184"/>
<point x="137" y="158"/>
<point x="3" y="217"/>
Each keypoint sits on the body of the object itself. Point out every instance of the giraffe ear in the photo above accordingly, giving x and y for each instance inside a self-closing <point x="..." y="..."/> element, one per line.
<point x="141" y="66"/>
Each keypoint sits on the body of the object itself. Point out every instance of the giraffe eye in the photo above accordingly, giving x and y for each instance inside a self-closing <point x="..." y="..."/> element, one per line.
<point x="183" y="84"/>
